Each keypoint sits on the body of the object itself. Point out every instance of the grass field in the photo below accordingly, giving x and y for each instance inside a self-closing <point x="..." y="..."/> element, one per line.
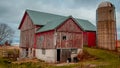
<point x="106" y="59"/>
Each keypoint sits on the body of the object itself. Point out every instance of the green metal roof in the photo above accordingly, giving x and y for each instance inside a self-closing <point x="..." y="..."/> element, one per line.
<point x="41" y="18"/>
<point x="53" y="24"/>
<point x="86" y="25"/>
<point x="51" y="21"/>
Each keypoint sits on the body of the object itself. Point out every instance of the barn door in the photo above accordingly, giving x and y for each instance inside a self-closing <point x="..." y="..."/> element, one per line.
<point x="65" y="54"/>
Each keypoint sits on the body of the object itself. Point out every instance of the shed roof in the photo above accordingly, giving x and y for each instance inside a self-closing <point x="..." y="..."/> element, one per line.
<point x="51" y="21"/>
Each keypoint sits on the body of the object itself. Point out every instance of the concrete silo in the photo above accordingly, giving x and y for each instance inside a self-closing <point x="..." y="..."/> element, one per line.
<point x="106" y="26"/>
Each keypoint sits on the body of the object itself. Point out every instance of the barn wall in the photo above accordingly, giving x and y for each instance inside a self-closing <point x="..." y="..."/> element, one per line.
<point x="27" y="32"/>
<point x="73" y="40"/>
<point x="49" y="56"/>
<point x="22" y="53"/>
<point x="45" y="40"/>
<point x="85" y="38"/>
<point x="73" y="35"/>
<point x="89" y="38"/>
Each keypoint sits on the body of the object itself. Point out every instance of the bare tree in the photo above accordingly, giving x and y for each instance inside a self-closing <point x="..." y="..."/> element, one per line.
<point x="6" y="33"/>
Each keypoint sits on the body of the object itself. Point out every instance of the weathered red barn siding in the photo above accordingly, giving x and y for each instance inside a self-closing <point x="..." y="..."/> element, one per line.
<point x="90" y="38"/>
<point x="69" y="26"/>
<point x="85" y="38"/>
<point x="35" y="37"/>
<point x="27" y="32"/>
<point x="45" y="40"/>
<point x="74" y="40"/>
<point x="73" y="35"/>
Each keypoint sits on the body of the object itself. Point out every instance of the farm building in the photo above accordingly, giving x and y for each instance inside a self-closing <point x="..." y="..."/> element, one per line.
<point x="53" y="37"/>
<point x="106" y="26"/>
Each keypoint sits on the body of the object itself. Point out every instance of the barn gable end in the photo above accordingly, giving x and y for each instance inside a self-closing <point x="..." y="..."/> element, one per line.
<point x="69" y="35"/>
<point x="69" y="26"/>
<point x="27" y="33"/>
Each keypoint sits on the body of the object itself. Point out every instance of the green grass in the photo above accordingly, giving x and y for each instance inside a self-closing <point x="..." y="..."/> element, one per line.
<point x="106" y="59"/>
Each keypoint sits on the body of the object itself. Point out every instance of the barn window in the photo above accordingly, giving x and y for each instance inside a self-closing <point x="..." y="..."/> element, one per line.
<point x="43" y="51"/>
<point x="74" y="51"/>
<point x="64" y="37"/>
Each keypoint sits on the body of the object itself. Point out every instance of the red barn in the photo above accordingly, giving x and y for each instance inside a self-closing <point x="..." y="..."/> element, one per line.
<point x="53" y="37"/>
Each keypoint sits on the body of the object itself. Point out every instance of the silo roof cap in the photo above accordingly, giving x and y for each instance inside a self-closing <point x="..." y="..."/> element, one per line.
<point x="106" y="4"/>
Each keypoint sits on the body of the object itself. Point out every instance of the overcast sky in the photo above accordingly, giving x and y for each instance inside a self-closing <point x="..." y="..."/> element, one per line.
<point x="11" y="11"/>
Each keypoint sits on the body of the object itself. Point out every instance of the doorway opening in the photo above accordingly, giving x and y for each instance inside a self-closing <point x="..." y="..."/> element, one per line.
<point x="58" y="55"/>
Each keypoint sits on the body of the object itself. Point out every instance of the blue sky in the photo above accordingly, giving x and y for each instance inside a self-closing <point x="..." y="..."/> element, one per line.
<point x="11" y="11"/>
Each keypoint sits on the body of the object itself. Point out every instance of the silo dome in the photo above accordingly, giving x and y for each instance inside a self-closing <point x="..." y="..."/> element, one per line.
<point x="105" y="4"/>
